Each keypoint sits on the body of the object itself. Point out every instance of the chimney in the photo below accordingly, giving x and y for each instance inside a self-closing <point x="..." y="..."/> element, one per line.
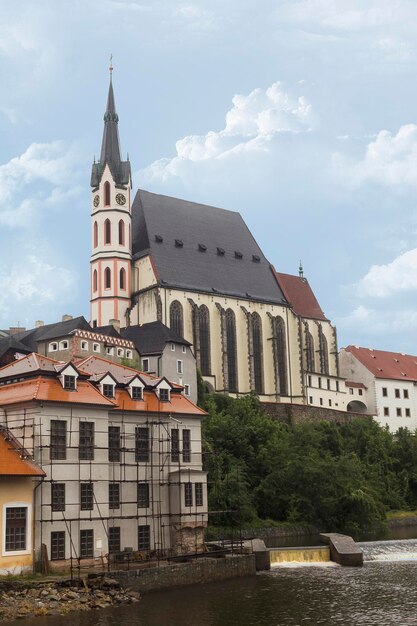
<point x="66" y="317"/>
<point x="15" y="329"/>
<point x="116" y="325"/>
<point x="39" y="323"/>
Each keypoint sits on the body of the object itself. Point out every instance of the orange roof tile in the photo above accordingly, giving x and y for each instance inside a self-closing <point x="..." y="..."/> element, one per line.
<point x="12" y="458"/>
<point x="390" y="365"/>
<point x="50" y="389"/>
<point x="299" y="294"/>
<point x="151" y="404"/>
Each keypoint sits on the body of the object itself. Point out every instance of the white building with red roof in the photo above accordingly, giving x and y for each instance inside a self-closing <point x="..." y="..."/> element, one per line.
<point x="381" y="383"/>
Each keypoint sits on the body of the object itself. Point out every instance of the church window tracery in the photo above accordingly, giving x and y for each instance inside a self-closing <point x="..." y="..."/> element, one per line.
<point x="107" y="231"/>
<point x="121" y="233"/>
<point x="231" y="350"/>
<point x="106" y="193"/>
<point x="324" y="353"/>
<point x="205" y="361"/>
<point x="280" y="346"/>
<point x="122" y="278"/>
<point x="176" y="318"/>
<point x="257" y="352"/>
<point x="107" y="278"/>
<point x="309" y="351"/>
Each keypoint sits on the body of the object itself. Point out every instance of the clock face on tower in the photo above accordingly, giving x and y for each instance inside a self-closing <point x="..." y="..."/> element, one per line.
<point x="96" y="200"/>
<point x="120" y="199"/>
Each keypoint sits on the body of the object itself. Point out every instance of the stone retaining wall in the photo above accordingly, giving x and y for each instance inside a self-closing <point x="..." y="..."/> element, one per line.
<point x="297" y="413"/>
<point x="203" y="570"/>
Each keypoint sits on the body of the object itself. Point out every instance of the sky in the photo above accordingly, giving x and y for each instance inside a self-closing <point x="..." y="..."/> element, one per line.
<point x="299" y="114"/>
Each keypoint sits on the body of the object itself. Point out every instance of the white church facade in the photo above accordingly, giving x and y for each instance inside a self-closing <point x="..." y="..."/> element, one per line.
<point x="198" y="270"/>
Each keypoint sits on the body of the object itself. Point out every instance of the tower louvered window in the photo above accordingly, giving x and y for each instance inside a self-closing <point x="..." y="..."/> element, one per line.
<point x="205" y="364"/>
<point x="281" y="354"/>
<point x="176" y="318"/>
<point x="95" y="280"/>
<point x="257" y="352"/>
<point x="231" y="350"/>
<point x="309" y="351"/>
<point x="122" y="278"/>
<point x="107" y="231"/>
<point x="95" y="230"/>
<point x="121" y="233"/>
<point x="106" y="194"/>
<point x="107" y="278"/>
<point x="324" y="354"/>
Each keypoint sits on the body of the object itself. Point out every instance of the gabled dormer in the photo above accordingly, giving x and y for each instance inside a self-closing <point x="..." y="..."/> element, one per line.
<point x="163" y="390"/>
<point x="68" y="377"/>
<point x="107" y="385"/>
<point x="135" y="388"/>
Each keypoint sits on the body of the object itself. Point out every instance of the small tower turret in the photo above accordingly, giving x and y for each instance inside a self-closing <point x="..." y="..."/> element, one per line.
<point x="111" y="221"/>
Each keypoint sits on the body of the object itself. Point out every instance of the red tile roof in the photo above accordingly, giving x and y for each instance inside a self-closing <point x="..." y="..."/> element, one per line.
<point x="14" y="460"/>
<point x="151" y="403"/>
<point x="300" y="295"/>
<point x="351" y="383"/>
<point x="50" y="389"/>
<point x="390" y="365"/>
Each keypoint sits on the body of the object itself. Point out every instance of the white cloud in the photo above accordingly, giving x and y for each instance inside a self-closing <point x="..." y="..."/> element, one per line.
<point x="39" y="178"/>
<point x="31" y="283"/>
<point x="368" y="322"/>
<point x="382" y="281"/>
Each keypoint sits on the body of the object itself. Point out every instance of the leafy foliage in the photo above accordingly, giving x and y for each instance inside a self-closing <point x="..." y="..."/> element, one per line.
<point x="338" y="477"/>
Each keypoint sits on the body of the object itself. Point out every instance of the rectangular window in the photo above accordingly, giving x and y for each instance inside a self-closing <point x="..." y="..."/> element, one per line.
<point x="184" y="350"/>
<point x="58" y="496"/>
<point x="58" y="449"/>
<point x="328" y="383"/>
<point x="398" y="411"/>
<point x="114" y="496"/>
<point x="405" y="393"/>
<point x="173" y="347"/>
<point x="309" y="381"/>
<point x="145" y="365"/>
<point x="87" y="496"/>
<point x="351" y="391"/>
<point x="114" y="539"/>
<point x="137" y="393"/>
<point x="86" y="544"/>
<point x="108" y="390"/>
<point x="188" y="494"/>
<point x="384" y="392"/>
<point x="187" y="390"/>
<point x="143" y="495"/>
<point x="330" y="402"/>
<point x="141" y="445"/>
<point x="86" y="443"/>
<point x="311" y="399"/>
<point x="319" y="381"/>
<point x="198" y="494"/>
<point x="164" y="395"/>
<point x="175" y="445"/>
<point x="386" y="411"/>
<point x="114" y="444"/>
<point x="397" y="393"/>
<point x="144" y="537"/>
<point x="58" y="545"/>
<point x="69" y="382"/>
<point x="321" y="401"/>
<point x="16" y="520"/>
<point x="179" y="367"/>
<point x="186" y="445"/>
<point x="360" y="392"/>
<point x="337" y="385"/>
<point x="407" y="412"/>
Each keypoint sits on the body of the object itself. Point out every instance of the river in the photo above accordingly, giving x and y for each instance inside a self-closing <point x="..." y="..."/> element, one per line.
<point x="382" y="593"/>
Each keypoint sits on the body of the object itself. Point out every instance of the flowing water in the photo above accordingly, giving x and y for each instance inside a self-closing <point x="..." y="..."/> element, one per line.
<point x="381" y="593"/>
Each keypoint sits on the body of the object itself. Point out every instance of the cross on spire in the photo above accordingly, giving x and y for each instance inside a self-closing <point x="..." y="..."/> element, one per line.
<point x="111" y="66"/>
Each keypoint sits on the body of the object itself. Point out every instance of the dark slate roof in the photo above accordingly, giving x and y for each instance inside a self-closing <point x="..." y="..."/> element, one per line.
<point x="11" y="343"/>
<point x="110" y="148"/>
<point x="109" y="331"/>
<point x="31" y="337"/>
<point x="152" y="338"/>
<point x="203" y="248"/>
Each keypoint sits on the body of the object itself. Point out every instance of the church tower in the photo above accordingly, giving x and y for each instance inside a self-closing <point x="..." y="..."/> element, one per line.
<point x="111" y="220"/>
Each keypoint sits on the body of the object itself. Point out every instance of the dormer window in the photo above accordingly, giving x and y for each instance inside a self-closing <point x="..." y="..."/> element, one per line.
<point x="164" y="395"/>
<point x="137" y="393"/>
<point x="69" y="382"/>
<point x="108" y="390"/>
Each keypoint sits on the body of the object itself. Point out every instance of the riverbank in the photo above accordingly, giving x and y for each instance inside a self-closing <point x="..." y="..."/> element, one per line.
<point x="23" y="598"/>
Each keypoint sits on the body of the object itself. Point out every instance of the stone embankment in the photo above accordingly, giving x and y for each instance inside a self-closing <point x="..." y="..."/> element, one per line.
<point x="22" y="599"/>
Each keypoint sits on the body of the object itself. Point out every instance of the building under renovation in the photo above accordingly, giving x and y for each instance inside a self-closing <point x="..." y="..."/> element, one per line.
<point x="121" y="453"/>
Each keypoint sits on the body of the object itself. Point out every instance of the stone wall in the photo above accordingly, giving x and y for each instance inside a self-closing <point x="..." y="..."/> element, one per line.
<point x="297" y="413"/>
<point x="202" y="570"/>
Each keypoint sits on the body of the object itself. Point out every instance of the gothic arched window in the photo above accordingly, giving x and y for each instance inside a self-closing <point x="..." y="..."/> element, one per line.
<point x="231" y="350"/>
<point x="280" y="342"/>
<point x="257" y="352"/>
<point x="106" y="193"/>
<point x="107" y="231"/>
<point x="309" y="351"/>
<point x="122" y="278"/>
<point x="205" y="364"/>
<point x="176" y="318"/>
<point x="107" y="278"/>
<point x="324" y="353"/>
<point x="95" y="234"/>
<point x="121" y="233"/>
<point x="95" y="280"/>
